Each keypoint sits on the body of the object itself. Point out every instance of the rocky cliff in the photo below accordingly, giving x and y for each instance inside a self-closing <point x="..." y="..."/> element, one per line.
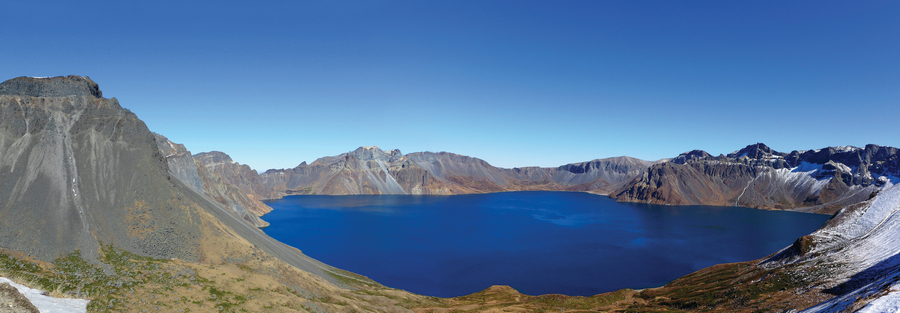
<point x="182" y="165"/>
<point x="821" y="180"/>
<point x="78" y="169"/>
<point x="239" y="175"/>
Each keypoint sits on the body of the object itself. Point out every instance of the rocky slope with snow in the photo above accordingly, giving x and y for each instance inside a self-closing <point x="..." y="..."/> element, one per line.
<point x="855" y="257"/>
<point x="822" y="180"/>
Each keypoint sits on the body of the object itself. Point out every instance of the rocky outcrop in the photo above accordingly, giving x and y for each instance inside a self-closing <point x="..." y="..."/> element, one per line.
<point x="370" y="170"/>
<point x="239" y="175"/>
<point x="822" y="180"/>
<point x="183" y="166"/>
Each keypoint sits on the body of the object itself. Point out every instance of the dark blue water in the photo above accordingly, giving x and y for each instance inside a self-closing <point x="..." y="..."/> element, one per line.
<point x="537" y="242"/>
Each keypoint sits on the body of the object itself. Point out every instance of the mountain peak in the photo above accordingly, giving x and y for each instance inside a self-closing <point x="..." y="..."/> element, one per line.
<point x="60" y="86"/>
<point x="375" y="153"/>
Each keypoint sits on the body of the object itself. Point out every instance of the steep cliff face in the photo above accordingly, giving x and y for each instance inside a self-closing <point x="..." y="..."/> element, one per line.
<point x="370" y="170"/>
<point x="822" y="180"/>
<point x="78" y="170"/>
<point x="239" y="175"/>
<point x="183" y="166"/>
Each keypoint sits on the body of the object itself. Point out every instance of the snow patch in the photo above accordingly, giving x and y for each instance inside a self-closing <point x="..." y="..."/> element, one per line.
<point x="801" y="177"/>
<point x="890" y="302"/>
<point x="871" y="248"/>
<point x="846" y="148"/>
<point x="48" y="304"/>
<point x="842" y="167"/>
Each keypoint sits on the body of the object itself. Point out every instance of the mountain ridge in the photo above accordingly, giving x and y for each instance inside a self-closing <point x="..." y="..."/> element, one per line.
<point x="370" y="170"/>
<point x="821" y="180"/>
<point x="757" y="176"/>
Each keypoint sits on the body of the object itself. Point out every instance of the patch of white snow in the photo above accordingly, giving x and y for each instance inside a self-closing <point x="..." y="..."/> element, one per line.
<point x="873" y="235"/>
<point x="889" y="302"/>
<point x="48" y="304"/>
<point x="846" y="148"/>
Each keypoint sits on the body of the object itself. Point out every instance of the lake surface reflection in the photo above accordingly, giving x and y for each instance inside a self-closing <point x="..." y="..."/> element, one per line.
<point x="537" y="242"/>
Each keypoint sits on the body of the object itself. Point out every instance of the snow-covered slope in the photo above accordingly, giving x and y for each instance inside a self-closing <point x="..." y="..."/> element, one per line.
<point x="855" y="256"/>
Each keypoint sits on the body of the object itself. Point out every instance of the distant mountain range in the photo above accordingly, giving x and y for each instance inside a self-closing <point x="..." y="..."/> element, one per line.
<point x="370" y="170"/>
<point x="821" y="180"/>
<point x="79" y="174"/>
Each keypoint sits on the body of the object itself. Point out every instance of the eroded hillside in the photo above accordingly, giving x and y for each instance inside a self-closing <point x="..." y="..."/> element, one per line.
<point x="91" y="209"/>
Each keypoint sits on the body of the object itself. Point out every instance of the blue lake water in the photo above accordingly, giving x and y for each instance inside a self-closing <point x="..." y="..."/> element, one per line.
<point x="537" y="242"/>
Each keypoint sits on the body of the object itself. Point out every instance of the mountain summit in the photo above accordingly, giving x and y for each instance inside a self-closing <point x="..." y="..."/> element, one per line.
<point x="61" y="86"/>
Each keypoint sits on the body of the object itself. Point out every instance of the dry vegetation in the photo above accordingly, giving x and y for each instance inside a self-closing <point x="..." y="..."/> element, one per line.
<point x="125" y="282"/>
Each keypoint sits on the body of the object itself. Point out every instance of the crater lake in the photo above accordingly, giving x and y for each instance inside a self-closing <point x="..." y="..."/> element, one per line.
<point x="540" y="242"/>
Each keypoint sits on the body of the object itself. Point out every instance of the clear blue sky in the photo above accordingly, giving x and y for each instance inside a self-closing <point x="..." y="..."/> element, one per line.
<point x="517" y="83"/>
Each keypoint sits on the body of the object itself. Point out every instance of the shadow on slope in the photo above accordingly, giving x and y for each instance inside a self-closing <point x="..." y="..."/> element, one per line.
<point x="887" y="268"/>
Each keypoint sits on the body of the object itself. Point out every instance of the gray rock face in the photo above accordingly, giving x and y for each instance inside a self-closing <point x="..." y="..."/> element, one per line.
<point x="180" y="162"/>
<point x="184" y="167"/>
<point x="239" y="175"/>
<point x="77" y="169"/>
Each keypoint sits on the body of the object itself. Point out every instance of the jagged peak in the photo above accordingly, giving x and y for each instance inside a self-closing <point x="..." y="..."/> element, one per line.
<point x="366" y="153"/>
<point x="755" y="151"/>
<point x="59" y="86"/>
